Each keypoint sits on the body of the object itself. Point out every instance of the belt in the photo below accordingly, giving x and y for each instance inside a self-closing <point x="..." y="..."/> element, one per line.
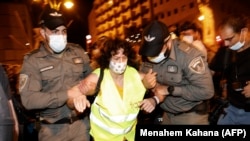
<point x="189" y="111"/>
<point x="199" y="109"/>
<point x="67" y="120"/>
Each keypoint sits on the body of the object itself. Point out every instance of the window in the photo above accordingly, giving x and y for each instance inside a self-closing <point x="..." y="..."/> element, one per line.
<point x="183" y="8"/>
<point x="169" y="13"/>
<point x="191" y="5"/>
<point x="175" y="11"/>
<point x="161" y="15"/>
<point x="155" y="4"/>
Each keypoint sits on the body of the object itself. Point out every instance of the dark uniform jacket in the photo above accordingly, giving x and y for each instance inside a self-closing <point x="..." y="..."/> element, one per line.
<point x="186" y="70"/>
<point x="45" y="79"/>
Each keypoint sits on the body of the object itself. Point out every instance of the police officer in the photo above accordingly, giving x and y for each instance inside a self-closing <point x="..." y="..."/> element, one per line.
<point x="47" y="76"/>
<point x="234" y="32"/>
<point x="191" y="33"/>
<point x="184" y="82"/>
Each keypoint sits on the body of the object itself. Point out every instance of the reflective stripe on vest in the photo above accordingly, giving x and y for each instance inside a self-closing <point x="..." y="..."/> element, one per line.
<point x="117" y="119"/>
<point x="114" y="131"/>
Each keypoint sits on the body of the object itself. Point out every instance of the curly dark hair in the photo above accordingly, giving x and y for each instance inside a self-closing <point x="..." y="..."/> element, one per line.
<point x="110" y="47"/>
<point x="188" y="25"/>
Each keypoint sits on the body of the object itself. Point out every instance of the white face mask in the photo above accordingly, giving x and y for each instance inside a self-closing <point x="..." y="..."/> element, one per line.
<point x="158" y="58"/>
<point x="188" y="38"/>
<point x="117" y="68"/>
<point x="57" y="42"/>
<point x="239" y="44"/>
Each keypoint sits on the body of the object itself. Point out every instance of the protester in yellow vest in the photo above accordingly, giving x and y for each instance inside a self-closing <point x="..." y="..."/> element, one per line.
<point x="115" y="109"/>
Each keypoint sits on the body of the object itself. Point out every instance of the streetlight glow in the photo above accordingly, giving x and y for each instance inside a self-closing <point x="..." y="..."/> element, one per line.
<point x="201" y="18"/>
<point x="88" y="37"/>
<point x="68" y="4"/>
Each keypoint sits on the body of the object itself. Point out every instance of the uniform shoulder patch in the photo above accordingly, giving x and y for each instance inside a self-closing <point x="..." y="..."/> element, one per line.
<point x="197" y="65"/>
<point x="23" y="78"/>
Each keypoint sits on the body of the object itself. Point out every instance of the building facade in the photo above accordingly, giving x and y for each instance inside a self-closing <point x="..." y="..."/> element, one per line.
<point x="126" y="18"/>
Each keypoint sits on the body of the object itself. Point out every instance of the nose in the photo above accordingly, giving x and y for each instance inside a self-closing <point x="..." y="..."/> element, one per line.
<point x="226" y="43"/>
<point x="121" y="60"/>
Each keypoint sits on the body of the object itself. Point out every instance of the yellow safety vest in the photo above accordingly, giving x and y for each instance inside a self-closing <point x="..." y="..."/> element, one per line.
<point x="113" y="118"/>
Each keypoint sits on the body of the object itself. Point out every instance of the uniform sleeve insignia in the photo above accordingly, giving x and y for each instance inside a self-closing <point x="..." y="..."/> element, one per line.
<point x="197" y="65"/>
<point x="23" y="78"/>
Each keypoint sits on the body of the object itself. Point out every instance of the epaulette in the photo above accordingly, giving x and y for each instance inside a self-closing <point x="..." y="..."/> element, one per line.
<point x="31" y="53"/>
<point x="78" y="49"/>
<point x="74" y="45"/>
<point x="183" y="46"/>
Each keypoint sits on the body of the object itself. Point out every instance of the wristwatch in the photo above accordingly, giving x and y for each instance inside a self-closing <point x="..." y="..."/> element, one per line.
<point x="170" y="90"/>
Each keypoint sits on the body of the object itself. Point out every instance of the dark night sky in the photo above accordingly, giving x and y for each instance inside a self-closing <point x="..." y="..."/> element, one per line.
<point x="79" y="14"/>
<point x="79" y="28"/>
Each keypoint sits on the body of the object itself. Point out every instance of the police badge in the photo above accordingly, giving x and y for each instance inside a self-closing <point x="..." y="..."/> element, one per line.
<point x="22" y="81"/>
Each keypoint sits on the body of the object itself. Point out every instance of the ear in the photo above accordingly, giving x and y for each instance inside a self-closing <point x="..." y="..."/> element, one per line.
<point x="42" y="31"/>
<point x="244" y="30"/>
<point x="197" y="34"/>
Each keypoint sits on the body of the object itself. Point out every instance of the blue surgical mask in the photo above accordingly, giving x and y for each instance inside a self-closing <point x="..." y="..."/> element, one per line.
<point x="158" y="58"/>
<point x="57" y="42"/>
<point x="239" y="44"/>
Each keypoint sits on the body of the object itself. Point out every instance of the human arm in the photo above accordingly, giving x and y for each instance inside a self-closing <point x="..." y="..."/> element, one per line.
<point x="246" y="90"/>
<point x="79" y="103"/>
<point x="5" y="89"/>
<point x="16" y="124"/>
<point x="149" y="79"/>
<point x="148" y="104"/>
<point x="86" y="87"/>
<point x="160" y="92"/>
<point x="46" y="87"/>
<point x="189" y="75"/>
<point x="199" y="84"/>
